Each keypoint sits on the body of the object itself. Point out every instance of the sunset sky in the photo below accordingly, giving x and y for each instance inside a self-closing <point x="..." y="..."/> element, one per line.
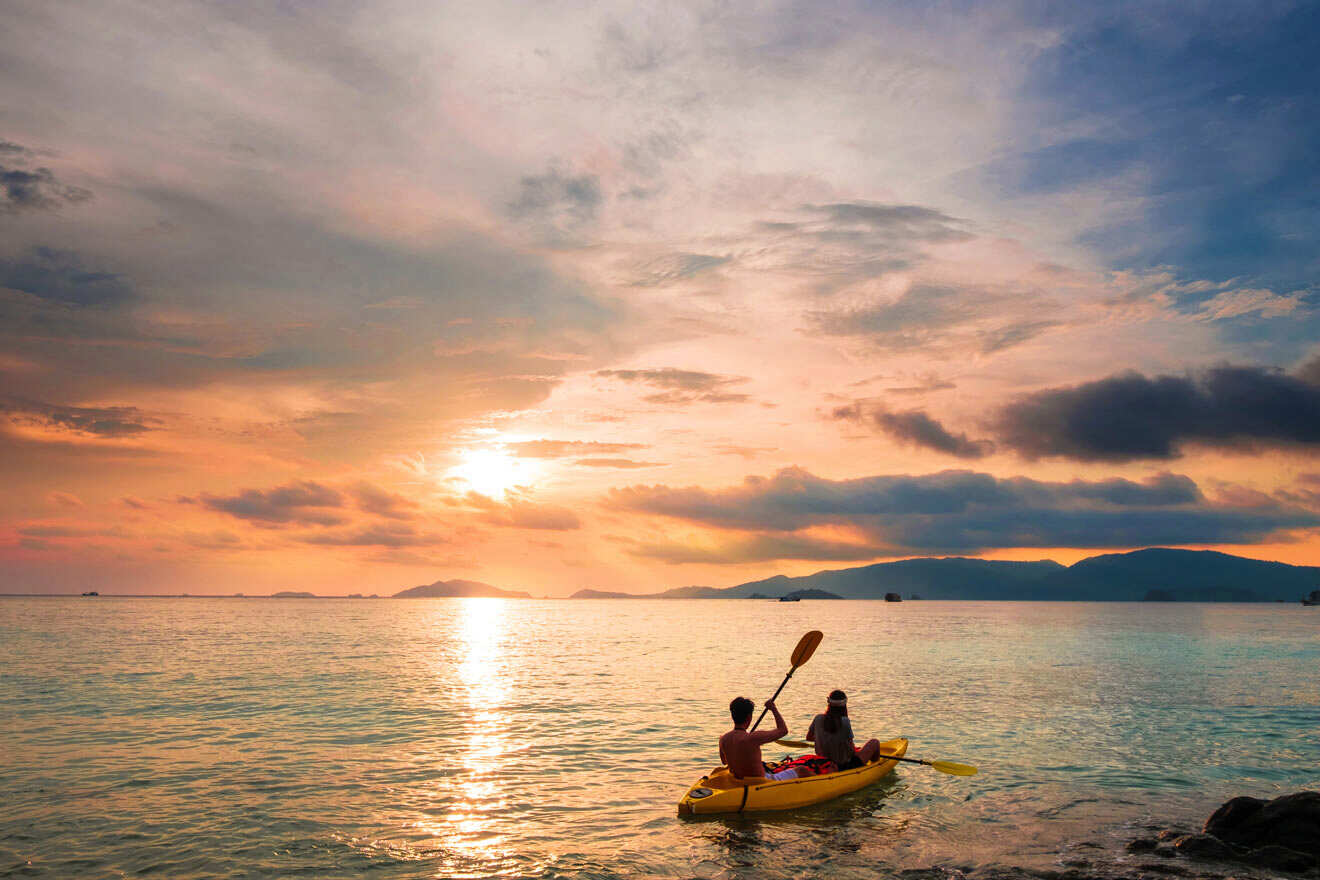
<point x="349" y="297"/>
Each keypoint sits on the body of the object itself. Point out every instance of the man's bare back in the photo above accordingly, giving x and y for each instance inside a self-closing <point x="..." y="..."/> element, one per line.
<point x="740" y="748"/>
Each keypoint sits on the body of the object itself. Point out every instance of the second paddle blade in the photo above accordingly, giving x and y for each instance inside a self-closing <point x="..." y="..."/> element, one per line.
<point x="806" y="646"/>
<point x="955" y="769"/>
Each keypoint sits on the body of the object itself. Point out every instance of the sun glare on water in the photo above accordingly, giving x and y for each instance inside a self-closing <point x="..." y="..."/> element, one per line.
<point x="492" y="472"/>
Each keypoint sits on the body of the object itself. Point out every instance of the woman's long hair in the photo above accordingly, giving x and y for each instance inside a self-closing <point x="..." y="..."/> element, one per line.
<point x="834" y="713"/>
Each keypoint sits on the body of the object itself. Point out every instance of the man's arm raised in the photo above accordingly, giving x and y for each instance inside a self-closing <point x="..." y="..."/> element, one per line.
<point x="768" y="736"/>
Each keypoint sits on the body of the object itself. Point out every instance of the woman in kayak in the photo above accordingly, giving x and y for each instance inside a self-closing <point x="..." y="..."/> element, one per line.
<point x="833" y="735"/>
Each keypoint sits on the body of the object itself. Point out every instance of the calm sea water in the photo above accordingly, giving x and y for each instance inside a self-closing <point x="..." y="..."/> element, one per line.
<point x="473" y="738"/>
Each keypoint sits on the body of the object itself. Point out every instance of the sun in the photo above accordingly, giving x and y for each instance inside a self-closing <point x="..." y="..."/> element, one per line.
<point x="491" y="472"/>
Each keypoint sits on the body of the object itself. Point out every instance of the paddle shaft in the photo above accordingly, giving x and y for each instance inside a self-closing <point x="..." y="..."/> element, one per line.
<point x="951" y="767"/>
<point x="884" y="757"/>
<point x="772" y="699"/>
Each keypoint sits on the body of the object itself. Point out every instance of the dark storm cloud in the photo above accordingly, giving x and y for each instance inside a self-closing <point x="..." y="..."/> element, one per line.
<point x="109" y="422"/>
<point x="564" y="448"/>
<point x="1309" y="371"/>
<point x="63" y="277"/>
<point x="964" y="511"/>
<point x="1130" y="416"/>
<point x="794" y="498"/>
<point x="303" y="502"/>
<point x="754" y="548"/>
<point x="682" y="386"/>
<point x="34" y="190"/>
<point x="917" y="428"/>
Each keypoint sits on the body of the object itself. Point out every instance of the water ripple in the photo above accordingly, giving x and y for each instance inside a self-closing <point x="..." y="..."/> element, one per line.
<point x="481" y="738"/>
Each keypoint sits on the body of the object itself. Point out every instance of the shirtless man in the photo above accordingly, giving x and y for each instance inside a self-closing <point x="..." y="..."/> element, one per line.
<point x="740" y="748"/>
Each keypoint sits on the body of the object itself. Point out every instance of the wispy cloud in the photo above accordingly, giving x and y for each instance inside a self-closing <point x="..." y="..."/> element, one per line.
<point x="64" y="277"/>
<point x="32" y="189"/>
<point x="916" y="428"/>
<point x="302" y="502"/>
<point x="556" y="206"/>
<point x="520" y="513"/>
<point x="682" y="386"/>
<point x="563" y="448"/>
<point x="110" y="422"/>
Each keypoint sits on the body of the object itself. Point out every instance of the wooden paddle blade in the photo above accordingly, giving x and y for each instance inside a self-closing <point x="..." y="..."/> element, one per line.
<point x="954" y="769"/>
<point x="806" y="646"/>
<point x="795" y="744"/>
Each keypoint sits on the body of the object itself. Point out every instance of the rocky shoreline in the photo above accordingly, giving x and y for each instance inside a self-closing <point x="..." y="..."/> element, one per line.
<point x="1245" y="838"/>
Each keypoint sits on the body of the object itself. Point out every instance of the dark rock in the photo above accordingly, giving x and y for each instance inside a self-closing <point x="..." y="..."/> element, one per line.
<point x="1232" y="814"/>
<point x="1164" y="852"/>
<point x="1291" y="821"/>
<point x="1142" y="844"/>
<point x="1171" y="833"/>
<point x="1204" y="846"/>
<point x="1281" y="858"/>
<point x="1012" y="872"/>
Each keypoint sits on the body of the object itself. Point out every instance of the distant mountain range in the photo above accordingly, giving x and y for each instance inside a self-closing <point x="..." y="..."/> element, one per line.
<point x="1151" y="574"/>
<point x="459" y="589"/>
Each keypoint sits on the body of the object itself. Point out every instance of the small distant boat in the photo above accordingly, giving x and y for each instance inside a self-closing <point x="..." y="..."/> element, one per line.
<point x="1313" y="598"/>
<point x="91" y="593"/>
<point x="893" y="597"/>
<point x="790" y="598"/>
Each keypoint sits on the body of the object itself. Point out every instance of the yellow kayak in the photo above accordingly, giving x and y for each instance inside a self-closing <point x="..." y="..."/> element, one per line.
<point x="722" y="792"/>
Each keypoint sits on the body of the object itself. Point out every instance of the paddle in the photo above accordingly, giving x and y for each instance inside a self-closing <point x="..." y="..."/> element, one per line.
<point x="806" y="646"/>
<point x="943" y="766"/>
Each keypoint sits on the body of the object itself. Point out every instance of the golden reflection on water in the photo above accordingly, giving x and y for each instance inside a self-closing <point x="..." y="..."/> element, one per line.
<point x="470" y="826"/>
<point x="469" y="674"/>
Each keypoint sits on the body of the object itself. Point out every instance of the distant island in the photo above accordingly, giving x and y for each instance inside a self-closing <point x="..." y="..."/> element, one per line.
<point x="1153" y="575"/>
<point x="810" y="594"/>
<point x="292" y="594"/>
<point x="606" y="594"/>
<point x="460" y="589"/>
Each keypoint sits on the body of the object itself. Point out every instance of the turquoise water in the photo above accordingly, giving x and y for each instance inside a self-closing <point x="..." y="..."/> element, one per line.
<point x="191" y="738"/>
